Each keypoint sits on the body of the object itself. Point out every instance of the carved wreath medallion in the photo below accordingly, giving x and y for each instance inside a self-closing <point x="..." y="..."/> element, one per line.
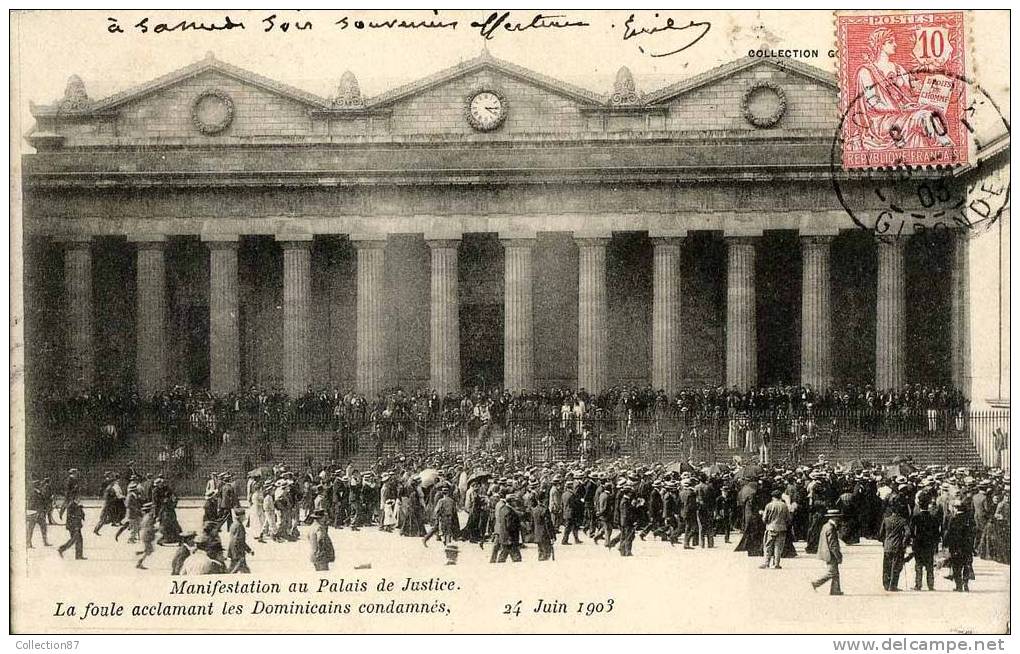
<point x="753" y="114"/>
<point x="212" y="111"/>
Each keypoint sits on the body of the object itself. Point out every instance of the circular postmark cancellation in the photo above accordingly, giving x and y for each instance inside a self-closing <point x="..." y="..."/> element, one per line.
<point x="901" y="195"/>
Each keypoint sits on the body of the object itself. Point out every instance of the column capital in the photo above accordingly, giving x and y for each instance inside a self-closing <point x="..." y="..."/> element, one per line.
<point x="221" y="245"/>
<point x="816" y="239"/>
<point x="667" y="241"/>
<point x="678" y="234"/>
<point x="592" y="241"/>
<point x="892" y="240"/>
<point x="289" y="243"/>
<point x="363" y="242"/>
<point x="442" y="243"/>
<point x="74" y="242"/>
<point x="141" y="239"/>
<point x="518" y="242"/>
<point x="741" y="240"/>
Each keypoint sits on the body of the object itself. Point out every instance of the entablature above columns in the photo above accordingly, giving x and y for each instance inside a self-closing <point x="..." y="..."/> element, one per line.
<point x="447" y="227"/>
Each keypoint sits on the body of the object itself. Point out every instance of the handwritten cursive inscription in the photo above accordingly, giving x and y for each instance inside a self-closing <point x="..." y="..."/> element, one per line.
<point x="487" y="28"/>
<point x="694" y="31"/>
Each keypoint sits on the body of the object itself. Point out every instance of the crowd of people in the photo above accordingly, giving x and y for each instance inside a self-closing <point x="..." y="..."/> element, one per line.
<point x="197" y="418"/>
<point x="939" y="517"/>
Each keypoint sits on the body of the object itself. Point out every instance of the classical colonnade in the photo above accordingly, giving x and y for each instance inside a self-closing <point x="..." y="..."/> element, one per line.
<point x="518" y="350"/>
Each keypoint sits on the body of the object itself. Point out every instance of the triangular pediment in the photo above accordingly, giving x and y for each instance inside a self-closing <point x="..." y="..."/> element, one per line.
<point x="208" y="66"/>
<point x="721" y="73"/>
<point x="486" y="63"/>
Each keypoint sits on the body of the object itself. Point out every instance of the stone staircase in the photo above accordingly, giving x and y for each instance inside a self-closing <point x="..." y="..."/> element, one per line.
<point x="53" y="459"/>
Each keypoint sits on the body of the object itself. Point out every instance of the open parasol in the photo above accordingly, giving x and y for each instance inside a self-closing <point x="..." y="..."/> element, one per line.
<point x="898" y="470"/>
<point x="750" y="471"/>
<point x="428" y="477"/>
<point x="481" y="475"/>
<point x="680" y="466"/>
<point x="264" y="472"/>
<point x="716" y="469"/>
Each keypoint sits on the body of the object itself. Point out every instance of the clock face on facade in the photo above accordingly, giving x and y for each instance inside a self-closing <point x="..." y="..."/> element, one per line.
<point x="486" y="110"/>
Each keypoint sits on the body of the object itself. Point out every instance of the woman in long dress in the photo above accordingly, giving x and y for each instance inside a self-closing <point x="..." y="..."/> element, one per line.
<point x="169" y="527"/>
<point x="413" y="510"/>
<point x="752" y="539"/>
<point x="994" y="544"/>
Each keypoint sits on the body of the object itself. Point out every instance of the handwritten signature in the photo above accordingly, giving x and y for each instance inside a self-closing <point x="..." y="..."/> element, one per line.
<point x="698" y="30"/>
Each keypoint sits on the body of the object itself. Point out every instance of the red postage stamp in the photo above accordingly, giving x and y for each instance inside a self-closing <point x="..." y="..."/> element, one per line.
<point x="902" y="89"/>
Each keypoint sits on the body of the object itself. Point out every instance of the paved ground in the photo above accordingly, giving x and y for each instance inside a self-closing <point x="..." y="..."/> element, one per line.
<point x="660" y="589"/>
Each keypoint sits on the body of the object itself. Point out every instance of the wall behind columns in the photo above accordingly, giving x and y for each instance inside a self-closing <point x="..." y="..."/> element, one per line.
<point x="629" y="296"/>
<point x="187" y="271"/>
<point x="43" y="267"/>
<point x="702" y="310"/>
<point x="928" y="269"/>
<point x="408" y="287"/>
<point x="260" y="305"/>
<point x="854" y="265"/>
<point x="332" y="317"/>
<point x="989" y="314"/>
<point x="113" y="292"/>
<point x="480" y="267"/>
<point x="555" y="268"/>
<point x="778" y="296"/>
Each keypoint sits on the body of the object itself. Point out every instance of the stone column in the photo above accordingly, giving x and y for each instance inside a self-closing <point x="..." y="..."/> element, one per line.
<point x="592" y="322"/>
<point x="78" y="300"/>
<point x="371" y="328"/>
<point x="150" y="355"/>
<point x="518" y="315"/>
<point x="224" y="340"/>
<point x="666" y="314"/>
<point x="890" y="328"/>
<point x="297" y="280"/>
<point x="816" y="313"/>
<point x="960" y="313"/>
<point x="444" y="355"/>
<point x="741" y="338"/>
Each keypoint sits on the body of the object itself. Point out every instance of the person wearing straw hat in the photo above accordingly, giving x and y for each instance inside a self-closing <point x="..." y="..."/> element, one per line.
<point x="829" y="552"/>
<point x="321" y="545"/>
<point x="237" y="546"/>
<point x="147" y="533"/>
<point x="185" y="547"/>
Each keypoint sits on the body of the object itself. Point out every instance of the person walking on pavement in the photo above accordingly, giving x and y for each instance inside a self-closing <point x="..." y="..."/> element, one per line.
<point x="777" y="524"/>
<point x="829" y="552"/>
<point x="895" y="536"/>
<point x="74" y="520"/>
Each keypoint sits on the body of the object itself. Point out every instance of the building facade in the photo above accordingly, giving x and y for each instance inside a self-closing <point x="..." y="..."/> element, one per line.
<point x="487" y="225"/>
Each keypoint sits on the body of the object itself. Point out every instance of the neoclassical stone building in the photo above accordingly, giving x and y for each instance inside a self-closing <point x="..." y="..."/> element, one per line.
<point x="486" y="225"/>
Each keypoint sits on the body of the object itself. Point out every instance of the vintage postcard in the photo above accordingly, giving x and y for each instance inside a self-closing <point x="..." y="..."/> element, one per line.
<point x="511" y="321"/>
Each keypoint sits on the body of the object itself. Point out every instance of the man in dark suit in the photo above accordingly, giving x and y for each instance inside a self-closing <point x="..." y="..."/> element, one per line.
<point x="829" y="551"/>
<point x="74" y="519"/>
<point x="544" y="532"/>
<point x="707" y="497"/>
<point x="508" y="526"/>
<point x="895" y="536"/>
<point x="604" y="511"/>
<point x="959" y="540"/>
<point x="628" y="515"/>
<point x="689" y="513"/>
<point x="228" y="499"/>
<point x="573" y="511"/>
<point x="924" y="528"/>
